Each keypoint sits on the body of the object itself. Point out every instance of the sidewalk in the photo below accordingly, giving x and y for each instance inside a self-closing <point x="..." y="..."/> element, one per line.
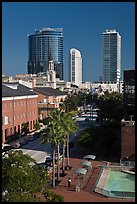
<point x="23" y="137"/>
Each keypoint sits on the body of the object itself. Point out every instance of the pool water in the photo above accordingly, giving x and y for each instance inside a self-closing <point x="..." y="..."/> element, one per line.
<point x="120" y="181"/>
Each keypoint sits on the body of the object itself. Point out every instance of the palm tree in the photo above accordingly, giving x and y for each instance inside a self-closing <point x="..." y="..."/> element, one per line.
<point x="69" y="126"/>
<point x="54" y="134"/>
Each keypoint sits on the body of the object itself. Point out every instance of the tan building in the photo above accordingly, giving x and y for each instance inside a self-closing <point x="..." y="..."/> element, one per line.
<point x="19" y="105"/>
<point x="48" y="99"/>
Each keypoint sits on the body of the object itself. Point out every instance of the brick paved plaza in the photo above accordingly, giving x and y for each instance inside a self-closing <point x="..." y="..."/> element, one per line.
<point x="86" y="194"/>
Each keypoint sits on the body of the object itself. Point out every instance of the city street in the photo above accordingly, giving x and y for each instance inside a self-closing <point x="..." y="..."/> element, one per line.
<point x="36" y="150"/>
<point x="39" y="152"/>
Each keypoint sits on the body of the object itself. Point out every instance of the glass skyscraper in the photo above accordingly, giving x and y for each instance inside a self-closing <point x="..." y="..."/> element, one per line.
<point x="40" y="45"/>
<point x="111" y="56"/>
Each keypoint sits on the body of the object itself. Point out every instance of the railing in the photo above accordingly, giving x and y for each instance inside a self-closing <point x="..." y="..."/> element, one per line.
<point x="116" y="194"/>
<point x="98" y="177"/>
<point x="118" y="168"/>
<point x="127" y="163"/>
<point x="123" y="194"/>
<point x="102" y="191"/>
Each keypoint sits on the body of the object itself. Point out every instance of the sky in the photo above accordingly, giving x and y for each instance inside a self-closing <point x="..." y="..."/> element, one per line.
<point x="83" y="24"/>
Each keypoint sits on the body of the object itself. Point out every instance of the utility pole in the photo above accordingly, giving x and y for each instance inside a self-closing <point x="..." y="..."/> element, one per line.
<point x="90" y="94"/>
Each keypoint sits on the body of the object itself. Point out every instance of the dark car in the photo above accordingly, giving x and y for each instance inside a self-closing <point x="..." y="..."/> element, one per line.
<point x="86" y="119"/>
<point x="45" y="166"/>
<point x="36" y="135"/>
<point x="24" y="142"/>
<point x="7" y="148"/>
<point x="16" y="145"/>
<point x="48" y="162"/>
<point x="32" y="138"/>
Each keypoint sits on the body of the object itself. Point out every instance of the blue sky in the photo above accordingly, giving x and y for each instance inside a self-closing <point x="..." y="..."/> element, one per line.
<point x="83" y="24"/>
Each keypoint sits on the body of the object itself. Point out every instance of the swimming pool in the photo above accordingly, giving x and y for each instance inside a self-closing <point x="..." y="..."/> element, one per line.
<point x="113" y="182"/>
<point x="120" y="184"/>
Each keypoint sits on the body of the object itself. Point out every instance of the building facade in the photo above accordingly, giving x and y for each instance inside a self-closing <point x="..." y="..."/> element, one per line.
<point x="127" y="139"/>
<point x="48" y="99"/>
<point x="39" y="46"/>
<point x="19" y="106"/>
<point x="129" y="94"/>
<point x="75" y="67"/>
<point x="111" y="56"/>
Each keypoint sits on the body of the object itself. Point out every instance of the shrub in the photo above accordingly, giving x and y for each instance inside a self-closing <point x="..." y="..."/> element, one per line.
<point x="53" y="197"/>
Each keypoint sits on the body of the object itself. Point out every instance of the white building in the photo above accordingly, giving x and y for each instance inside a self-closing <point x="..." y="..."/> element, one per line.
<point x="75" y="67"/>
<point x="101" y="87"/>
<point x="111" y="56"/>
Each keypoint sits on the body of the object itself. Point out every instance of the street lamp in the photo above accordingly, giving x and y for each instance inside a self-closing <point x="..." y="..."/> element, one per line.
<point x="91" y="104"/>
<point x="92" y="92"/>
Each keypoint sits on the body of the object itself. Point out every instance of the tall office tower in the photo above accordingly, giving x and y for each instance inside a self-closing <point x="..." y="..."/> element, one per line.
<point x="75" y="67"/>
<point x="39" y="46"/>
<point x="111" y="56"/>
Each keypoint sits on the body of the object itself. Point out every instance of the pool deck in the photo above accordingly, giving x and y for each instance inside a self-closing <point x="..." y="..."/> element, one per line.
<point x="86" y="193"/>
<point x="103" y="178"/>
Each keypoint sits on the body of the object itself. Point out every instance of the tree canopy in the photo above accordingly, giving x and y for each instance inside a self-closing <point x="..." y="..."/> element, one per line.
<point x="111" y="107"/>
<point x="21" y="177"/>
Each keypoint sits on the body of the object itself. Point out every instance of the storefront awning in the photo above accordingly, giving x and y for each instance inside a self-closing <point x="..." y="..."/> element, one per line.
<point x="80" y="171"/>
<point x="85" y="163"/>
<point x="89" y="157"/>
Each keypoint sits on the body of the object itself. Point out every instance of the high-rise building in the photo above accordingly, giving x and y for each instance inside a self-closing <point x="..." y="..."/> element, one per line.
<point x="39" y="46"/>
<point x="111" y="56"/>
<point x="75" y="67"/>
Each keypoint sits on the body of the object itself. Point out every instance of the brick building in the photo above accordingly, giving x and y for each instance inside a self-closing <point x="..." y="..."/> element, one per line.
<point x="129" y="94"/>
<point x="48" y="99"/>
<point x="19" y="105"/>
<point x="128" y="123"/>
<point x="128" y="139"/>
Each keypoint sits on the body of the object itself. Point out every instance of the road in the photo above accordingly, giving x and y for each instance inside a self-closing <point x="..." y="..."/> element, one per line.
<point x="40" y="151"/>
<point x="36" y="150"/>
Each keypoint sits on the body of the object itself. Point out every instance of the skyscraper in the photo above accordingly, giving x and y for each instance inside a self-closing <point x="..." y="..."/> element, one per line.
<point x="39" y="46"/>
<point x="111" y="56"/>
<point x="75" y="66"/>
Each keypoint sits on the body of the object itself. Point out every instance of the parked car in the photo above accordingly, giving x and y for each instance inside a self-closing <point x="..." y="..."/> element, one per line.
<point x="24" y="142"/>
<point x="7" y="148"/>
<point x="36" y="135"/>
<point x="16" y="145"/>
<point x="45" y="166"/>
<point x="32" y="138"/>
<point x="86" y="119"/>
<point x="48" y="161"/>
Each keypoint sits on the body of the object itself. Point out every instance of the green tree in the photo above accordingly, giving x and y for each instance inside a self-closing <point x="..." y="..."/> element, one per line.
<point x="25" y="127"/>
<point x="70" y="127"/>
<point x="21" y="177"/>
<point x="53" y="197"/>
<point x="54" y="134"/>
<point x="37" y="125"/>
<point x="111" y="107"/>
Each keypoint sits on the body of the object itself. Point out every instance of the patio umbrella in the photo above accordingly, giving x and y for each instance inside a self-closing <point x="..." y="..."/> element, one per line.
<point x="89" y="157"/>
<point x="85" y="163"/>
<point x="80" y="171"/>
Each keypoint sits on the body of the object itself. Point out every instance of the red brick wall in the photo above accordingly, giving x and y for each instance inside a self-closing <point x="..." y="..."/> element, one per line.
<point x="127" y="140"/>
<point x="18" y="111"/>
<point x="42" y="104"/>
